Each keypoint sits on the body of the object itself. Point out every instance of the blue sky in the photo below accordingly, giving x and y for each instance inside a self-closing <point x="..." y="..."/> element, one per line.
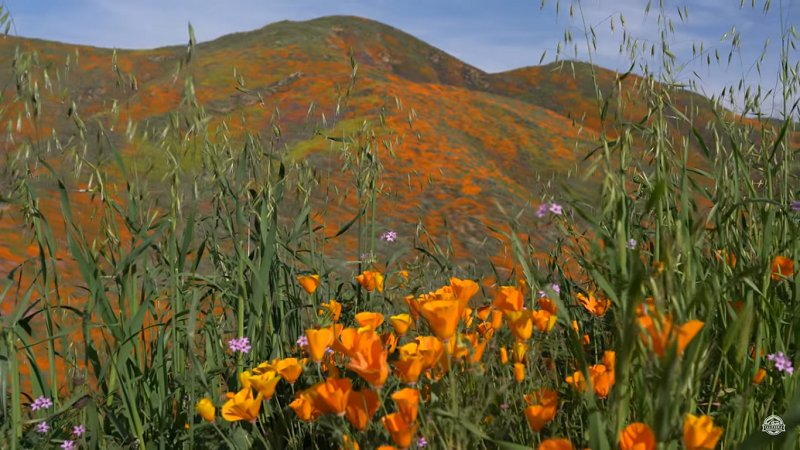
<point x="493" y="35"/>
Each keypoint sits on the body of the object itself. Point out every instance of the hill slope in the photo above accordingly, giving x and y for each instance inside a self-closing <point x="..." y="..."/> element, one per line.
<point x="476" y="138"/>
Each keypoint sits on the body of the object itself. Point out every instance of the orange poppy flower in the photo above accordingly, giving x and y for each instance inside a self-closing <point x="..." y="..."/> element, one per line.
<point x="497" y="319"/>
<point x="610" y="360"/>
<point x="700" y="432"/>
<point x="290" y="369"/>
<point x="537" y="417"/>
<point x="484" y="312"/>
<point x="544" y="397"/>
<point x="646" y="308"/>
<point x="519" y="372"/>
<point x="598" y="305"/>
<point x="665" y="335"/>
<point x="601" y="380"/>
<point x="318" y="342"/>
<point x="782" y="267"/>
<point x="407" y="401"/>
<point x="352" y="340"/>
<point x="370" y="363"/>
<point x="520" y="323"/>
<point x="266" y="383"/>
<point x="388" y="447"/>
<point x="508" y="298"/>
<point x="519" y="350"/>
<point x="361" y="406"/>
<point x="371" y="280"/>
<point x="466" y="316"/>
<point x="369" y="319"/>
<point x="242" y="406"/>
<point x="548" y="305"/>
<point x="309" y="282"/>
<point x="206" y="409"/>
<point x="577" y="381"/>
<point x="413" y="306"/>
<point x="349" y="444"/>
<point x="637" y="436"/>
<point x="442" y="315"/>
<point x="335" y="309"/>
<point x="400" y="323"/>
<point x="303" y="405"/>
<point x="485" y="329"/>
<point x="503" y="355"/>
<point x="389" y="341"/>
<point x="730" y="258"/>
<point x="556" y="444"/>
<point x="401" y="431"/>
<point x="334" y="393"/>
<point x="544" y="321"/>
<point x="464" y="290"/>
<point x="409" y="368"/>
<point x="759" y="376"/>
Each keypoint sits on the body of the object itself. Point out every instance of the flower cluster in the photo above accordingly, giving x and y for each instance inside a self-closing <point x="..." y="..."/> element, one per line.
<point x="41" y="403"/>
<point x="241" y="345"/>
<point x="782" y="363"/>
<point x="554" y="208"/>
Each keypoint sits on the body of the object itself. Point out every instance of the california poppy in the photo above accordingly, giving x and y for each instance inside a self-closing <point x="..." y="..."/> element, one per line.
<point x="519" y="372"/>
<point x="335" y="393"/>
<point x="266" y="383"/>
<point x="508" y="298"/>
<point x="595" y="303"/>
<point x="637" y="436"/>
<point x="206" y="409"/>
<point x="370" y="363"/>
<point x="413" y="306"/>
<point x="463" y="290"/>
<point x="442" y="315"/>
<point x="520" y="323"/>
<point x="309" y="282"/>
<point x="548" y="305"/>
<point x="700" y="432"/>
<point x="349" y="444"/>
<point x="556" y="444"/>
<point x="335" y="309"/>
<point x="290" y="369"/>
<point x="371" y="280"/>
<point x="303" y="405"/>
<point x="242" y="406"/>
<point x="369" y="319"/>
<point x="782" y="267"/>
<point x="361" y="406"/>
<point x="401" y="431"/>
<point x="661" y="333"/>
<point x="759" y="376"/>
<point x="400" y="323"/>
<point x="318" y="342"/>
<point x="407" y="401"/>
<point x="730" y="258"/>
<point x="409" y="368"/>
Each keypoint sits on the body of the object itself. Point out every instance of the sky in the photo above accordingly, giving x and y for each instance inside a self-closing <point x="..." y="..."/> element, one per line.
<point x="493" y="36"/>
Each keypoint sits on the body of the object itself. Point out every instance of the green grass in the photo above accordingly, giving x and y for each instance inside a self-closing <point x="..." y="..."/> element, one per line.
<point x="131" y="349"/>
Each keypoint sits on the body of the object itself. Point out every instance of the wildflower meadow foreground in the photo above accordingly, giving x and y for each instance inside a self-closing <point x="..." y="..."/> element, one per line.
<point x="231" y="313"/>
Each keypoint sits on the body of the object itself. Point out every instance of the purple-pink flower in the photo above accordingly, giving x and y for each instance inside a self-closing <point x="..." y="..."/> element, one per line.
<point x="796" y="205"/>
<point x="302" y="341"/>
<point x="553" y="287"/>
<point x="554" y="208"/>
<point x="389" y="236"/>
<point x="782" y="363"/>
<point x="78" y="430"/>
<point x="421" y="442"/>
<point x="631" y="244"/>
<point x="42" y="428"/>
<point x="40" y="403"/>
<point x="68" y="445"/>
<point x="241" y="345"/>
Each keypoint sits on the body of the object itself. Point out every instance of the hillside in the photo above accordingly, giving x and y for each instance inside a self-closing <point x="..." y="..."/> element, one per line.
<point x="476" y="138"/>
